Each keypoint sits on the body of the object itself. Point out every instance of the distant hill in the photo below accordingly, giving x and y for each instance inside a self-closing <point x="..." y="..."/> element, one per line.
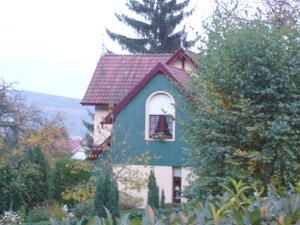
<point x="70" y="108"/>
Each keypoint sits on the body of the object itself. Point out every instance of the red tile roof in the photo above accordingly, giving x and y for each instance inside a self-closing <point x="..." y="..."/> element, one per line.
<point x="116" y="75"/>
<point x="178" y="75"/>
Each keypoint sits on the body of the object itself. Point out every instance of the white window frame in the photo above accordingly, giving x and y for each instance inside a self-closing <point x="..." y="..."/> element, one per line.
<point x="147" y="116"/>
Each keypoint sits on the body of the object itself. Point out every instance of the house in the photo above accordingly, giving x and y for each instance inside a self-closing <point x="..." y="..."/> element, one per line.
<point x="77" y="149"/>
<point x="136" y="100"/>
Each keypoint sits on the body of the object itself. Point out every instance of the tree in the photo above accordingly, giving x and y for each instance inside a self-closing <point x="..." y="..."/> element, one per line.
<point x="15" y="117"/>
<point x="23" y="126"/>
<point x="156" y="30"/>
<point x="107" y="195"/>
<point x="68" y="175"/>
<point x="21" y="185"/>
<point x="51" y="137"/>
<point x="246" y="106"/>
<point x="36" y="157"/>
<point x="153" y="191"/>
<point x="282" y="12"/>
<point x="162" y="199"/>
<point x="89" y="135"/>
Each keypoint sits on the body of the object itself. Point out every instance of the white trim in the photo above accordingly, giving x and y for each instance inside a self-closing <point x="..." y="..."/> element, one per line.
<point x="147" y="116"/>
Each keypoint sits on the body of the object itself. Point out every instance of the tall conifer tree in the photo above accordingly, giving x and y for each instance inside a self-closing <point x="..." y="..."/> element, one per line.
<point x="156" y="30"/>
<point x="153" y="191"/>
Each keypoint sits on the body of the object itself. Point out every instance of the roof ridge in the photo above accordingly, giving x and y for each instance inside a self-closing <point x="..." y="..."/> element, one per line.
<point x="155" y="54"/>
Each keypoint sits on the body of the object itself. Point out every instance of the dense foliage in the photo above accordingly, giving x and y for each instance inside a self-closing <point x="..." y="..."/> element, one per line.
<point x="36" y="157"/>
<point x="237" y="204"/>
<point x="153" y="191"/>
<point x="68" y="175"/>
<point x="23" y="183"/>
<point x="107" y="195"/>
<point x="246" y="105"/>
<point x="157" y="30"/>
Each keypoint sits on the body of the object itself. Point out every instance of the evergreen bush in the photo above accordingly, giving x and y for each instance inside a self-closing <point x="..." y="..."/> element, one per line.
<point x="107" y="195"/>
<point x="153" y="191"/>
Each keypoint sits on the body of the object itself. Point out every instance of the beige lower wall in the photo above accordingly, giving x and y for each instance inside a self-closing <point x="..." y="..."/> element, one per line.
<point x="164" y="179"/>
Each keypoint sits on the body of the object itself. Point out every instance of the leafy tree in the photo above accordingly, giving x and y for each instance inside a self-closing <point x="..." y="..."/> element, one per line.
<point x="281" y="12"/>
<point x="15" y="117"/>
<point x="156" y="30"/>
<point x="51" y="137"/>
<point x="23" y="126"/>
<point x="153" y="191"/>
<point x="246" y="105"/>
<point x="67" y="175"/>
<point x="20" y="185"/>
<point x="107" y="195"/>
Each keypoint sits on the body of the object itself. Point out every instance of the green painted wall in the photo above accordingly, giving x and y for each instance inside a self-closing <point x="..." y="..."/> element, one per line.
<point x="129" y="129"/>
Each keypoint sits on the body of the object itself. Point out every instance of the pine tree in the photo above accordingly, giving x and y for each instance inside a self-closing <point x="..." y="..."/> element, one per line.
<point x="88" y="137"/>
<point x="162" y="199"/>
<point x="107" y="195"/>
<point x="156" y="31"/>
<point x="153" y="191"/>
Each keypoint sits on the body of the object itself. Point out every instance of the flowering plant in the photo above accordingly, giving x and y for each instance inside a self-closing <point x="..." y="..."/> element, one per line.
<point x="10" y="218"/>
<point x="159" y="136"/>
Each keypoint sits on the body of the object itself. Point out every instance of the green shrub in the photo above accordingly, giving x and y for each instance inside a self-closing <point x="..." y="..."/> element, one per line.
<point x="83" y="209"/>
<point x="153" y="191"/>
<point x="129" y="202"/>
<point x="107" y="195"/>
<point x="38" y="214"/>
<point x="22" y="185"/>
<point x="67" y="174"/>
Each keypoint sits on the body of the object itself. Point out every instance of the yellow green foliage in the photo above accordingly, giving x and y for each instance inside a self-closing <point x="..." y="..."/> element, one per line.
<point x="56" y="211"/>
<point x="79" y="193"/>
<point x="52" y="138"/>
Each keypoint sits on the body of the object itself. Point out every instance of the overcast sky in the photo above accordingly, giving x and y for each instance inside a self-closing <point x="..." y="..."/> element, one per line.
<point x="52" y="46"/>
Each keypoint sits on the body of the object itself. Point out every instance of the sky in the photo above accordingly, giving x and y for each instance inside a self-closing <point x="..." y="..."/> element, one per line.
<point x="52" y="46"/>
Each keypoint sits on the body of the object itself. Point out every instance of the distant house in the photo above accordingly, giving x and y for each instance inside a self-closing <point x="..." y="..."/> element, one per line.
<point x="78" y="151"/>
<point x="136" y="114"/>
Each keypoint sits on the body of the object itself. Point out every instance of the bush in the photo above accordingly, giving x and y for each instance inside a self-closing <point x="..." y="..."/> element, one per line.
<point x="83" y="209"/>
<point x="238" y="204"/>
<point x="38" y="214"/>
<point x="107" y="195"/>
<point x="67" y="175"/>
<point x="10" y="218"/>
<point x="153" y="191"/>
<point x="129" y="202"/>
<point x="20" y="186"/>
<point x="37" y="157"/>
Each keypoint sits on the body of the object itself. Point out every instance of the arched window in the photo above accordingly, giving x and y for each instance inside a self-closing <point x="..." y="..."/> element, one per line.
<point x="160" y="117"/>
